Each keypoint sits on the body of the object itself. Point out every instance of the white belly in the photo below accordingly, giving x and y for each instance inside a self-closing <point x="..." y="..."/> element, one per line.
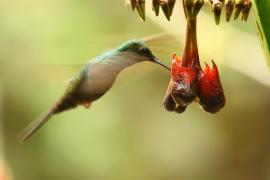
<point x="102" y="74"/>
<point x="99" y="80"/>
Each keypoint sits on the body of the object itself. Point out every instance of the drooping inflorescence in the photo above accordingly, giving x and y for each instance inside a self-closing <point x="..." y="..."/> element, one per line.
<point x="237" y="6"/>
<point x="189" y="82"/>
<point x="166" y="5"/>
<point x="231" y="6"/>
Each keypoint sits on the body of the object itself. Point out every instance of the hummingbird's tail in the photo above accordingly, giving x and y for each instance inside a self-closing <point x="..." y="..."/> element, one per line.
<point x="29" y="130"/>
<point x="64" y="103"/>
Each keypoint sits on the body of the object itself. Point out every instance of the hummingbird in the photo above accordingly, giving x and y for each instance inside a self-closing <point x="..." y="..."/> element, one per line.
<point x="94" y="79"/>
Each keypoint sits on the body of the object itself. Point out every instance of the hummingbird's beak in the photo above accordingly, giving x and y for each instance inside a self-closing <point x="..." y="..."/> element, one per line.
<point x="156" y="60"/>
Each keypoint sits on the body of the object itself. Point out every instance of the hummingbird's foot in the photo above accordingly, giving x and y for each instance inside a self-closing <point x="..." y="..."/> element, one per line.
<point x="87" y="104"/>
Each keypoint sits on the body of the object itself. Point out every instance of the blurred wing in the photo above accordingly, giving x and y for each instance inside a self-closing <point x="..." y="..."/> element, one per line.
<point x="162" y="46"/>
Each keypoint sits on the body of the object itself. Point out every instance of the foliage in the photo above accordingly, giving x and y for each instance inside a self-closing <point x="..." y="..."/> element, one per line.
<point x="262" y="9"/>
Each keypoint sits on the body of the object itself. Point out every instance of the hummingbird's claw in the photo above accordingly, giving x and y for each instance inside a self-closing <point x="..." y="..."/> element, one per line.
<point x="155" y="6"/>
<point x="245" y="11"/>
<point x="140" y="6"/>
<point x="229" y="5"/>
<point x="238" y="8"/>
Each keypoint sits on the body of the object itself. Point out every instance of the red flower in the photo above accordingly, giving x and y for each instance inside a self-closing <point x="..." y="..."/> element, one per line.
<point x="183" y="82"/>
<point x="170" y="104"/>
<point x="188" y="80"/>
<point x="210" y="91"/>
<point x="187" y="83"/>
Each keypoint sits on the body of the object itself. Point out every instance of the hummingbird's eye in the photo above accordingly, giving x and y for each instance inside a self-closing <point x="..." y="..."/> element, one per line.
<point x="145" y="51"/>
<point x="142" y="50"/>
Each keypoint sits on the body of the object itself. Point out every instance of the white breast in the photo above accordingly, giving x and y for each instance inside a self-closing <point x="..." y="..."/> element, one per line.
<point x="102" y="74"/>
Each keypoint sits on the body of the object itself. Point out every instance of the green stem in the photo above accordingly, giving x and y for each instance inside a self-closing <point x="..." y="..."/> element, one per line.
<point x="195" y="49"/>
<point x="190" y="55"/>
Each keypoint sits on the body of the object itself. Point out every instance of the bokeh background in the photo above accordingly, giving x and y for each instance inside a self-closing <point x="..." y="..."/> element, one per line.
<point x="127" y="134"/>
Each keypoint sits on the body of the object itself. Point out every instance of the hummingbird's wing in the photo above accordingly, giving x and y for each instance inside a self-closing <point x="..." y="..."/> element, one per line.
<point x="164" y="45"/>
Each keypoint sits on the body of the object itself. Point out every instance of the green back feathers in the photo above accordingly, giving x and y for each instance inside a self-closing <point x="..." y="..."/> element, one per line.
<point x="137" y="46"/>
<point x="133" y="45"/>
<point x="105" y="55"/>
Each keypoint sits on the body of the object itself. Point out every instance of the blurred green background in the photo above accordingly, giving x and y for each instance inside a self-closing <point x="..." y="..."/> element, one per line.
<point x="127" y="134"/>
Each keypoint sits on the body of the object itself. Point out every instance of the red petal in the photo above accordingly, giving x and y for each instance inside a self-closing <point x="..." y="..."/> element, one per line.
<point x="210" y="90"/>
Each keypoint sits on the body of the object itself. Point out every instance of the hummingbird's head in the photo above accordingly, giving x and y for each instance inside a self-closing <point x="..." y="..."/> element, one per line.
<point x="141" y="50"/>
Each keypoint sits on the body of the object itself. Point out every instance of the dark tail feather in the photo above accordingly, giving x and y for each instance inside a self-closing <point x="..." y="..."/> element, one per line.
<point x="27" y="132"/>
<point x="66" y="102"/>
